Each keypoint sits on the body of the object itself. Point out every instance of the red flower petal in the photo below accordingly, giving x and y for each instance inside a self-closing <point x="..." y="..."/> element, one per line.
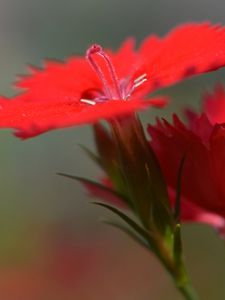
<point x="32" y="118"/>
<point x="214" y="105"/>
<point x="188" y="50"/>
<point x="53" y="96"/>
<point x="72" y="78"/>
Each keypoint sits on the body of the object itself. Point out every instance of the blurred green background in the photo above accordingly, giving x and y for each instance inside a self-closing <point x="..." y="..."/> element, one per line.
<point x="52" y="245"/>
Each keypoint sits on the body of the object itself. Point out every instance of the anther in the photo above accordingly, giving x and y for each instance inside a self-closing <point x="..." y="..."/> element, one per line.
<point x="137" y="82"/>
<point x="141" y="78"/>
<point x="91" y="102"/>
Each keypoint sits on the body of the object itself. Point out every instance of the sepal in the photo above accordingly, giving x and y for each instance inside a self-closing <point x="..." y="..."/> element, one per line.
<point x="109" y="161"/>
<point x="177" y="206"/>
<point x="146" y="187"/>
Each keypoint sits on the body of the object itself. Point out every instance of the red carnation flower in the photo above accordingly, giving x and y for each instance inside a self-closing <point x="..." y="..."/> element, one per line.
<point x="107" y="84"/>
<point x="202" y="143"/>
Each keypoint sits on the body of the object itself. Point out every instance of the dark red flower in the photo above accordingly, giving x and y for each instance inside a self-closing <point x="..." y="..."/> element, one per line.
<point x="202" y="143"/>
<point x="106" y="84"/>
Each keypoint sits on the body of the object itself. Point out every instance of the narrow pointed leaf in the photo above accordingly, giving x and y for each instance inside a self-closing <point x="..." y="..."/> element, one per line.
<point x="177" y="249"/>
<point x="94" y="157"/>
<point x="178" y="191"/>
<point x="106" y="190"/>
<point x="137" y="228"/>
<point x="137" y="238"/>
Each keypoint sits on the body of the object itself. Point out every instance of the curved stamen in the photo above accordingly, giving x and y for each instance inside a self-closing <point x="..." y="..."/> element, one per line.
<point x="137" y="82"/>
<point x="96" y="49"/>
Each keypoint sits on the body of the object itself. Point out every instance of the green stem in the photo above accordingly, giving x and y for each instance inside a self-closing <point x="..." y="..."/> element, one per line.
<point x="183" y="282"/>
<point x="188" y="292"/>
<point x="178" y="273"/>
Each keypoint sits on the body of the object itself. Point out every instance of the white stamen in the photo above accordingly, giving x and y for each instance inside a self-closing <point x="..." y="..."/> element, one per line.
<point x="91" y="102"/>
<point x="140" y="78"/>
<point x="138" y="83"/>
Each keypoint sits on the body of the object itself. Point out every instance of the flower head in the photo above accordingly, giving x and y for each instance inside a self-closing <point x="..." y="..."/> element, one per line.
<point x="106" y="84"/>
<point x="202" y="143"/>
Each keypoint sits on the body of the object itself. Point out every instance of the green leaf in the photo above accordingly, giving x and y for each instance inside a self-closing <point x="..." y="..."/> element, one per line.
<point x="94" y="157"/>
<point x="178" y="192"/>
<point x="129" y="232"/>
<point x="95" y="185"/>
<point x="137" y="228"/>
<point x="177" y="248"/>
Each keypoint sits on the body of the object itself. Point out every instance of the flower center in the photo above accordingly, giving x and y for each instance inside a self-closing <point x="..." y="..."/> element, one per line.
<point x="113" y="88"/>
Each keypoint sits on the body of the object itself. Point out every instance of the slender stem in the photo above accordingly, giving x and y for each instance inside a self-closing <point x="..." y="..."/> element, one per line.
<point x="188" y="292"/>
<point x="178" y="273"/>
<point x="184" y="284"/>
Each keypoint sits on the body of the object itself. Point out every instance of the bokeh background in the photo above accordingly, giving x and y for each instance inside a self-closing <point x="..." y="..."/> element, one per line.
<point x="52" y="244"/>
